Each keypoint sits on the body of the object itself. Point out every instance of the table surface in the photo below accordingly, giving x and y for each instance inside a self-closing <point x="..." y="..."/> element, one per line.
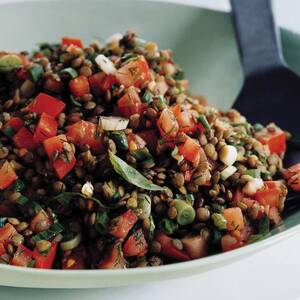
<point x="271" y="274"/>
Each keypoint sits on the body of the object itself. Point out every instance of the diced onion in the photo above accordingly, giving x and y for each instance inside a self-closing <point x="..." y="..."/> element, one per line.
<point x="87" y="189"/>
<point x="113" y="123"/>
<point x="228" y="155"/>
<point x="227" y="172"/>
<point x="71" y="244"/>
<point x="105" y="64"/>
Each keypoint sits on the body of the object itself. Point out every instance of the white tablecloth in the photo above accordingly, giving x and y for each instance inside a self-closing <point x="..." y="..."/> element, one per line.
<point x="271" y="274"/>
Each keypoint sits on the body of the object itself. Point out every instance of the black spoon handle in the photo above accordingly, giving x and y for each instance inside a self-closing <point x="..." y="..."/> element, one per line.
<point x="257" y="35"/>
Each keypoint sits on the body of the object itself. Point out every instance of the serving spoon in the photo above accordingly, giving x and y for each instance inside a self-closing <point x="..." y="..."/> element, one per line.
<point x="271" y="91"/>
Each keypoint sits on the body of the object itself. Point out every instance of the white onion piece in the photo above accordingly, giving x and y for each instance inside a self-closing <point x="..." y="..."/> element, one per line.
<point x="105" y="64"/>
<point x="113" y="123"/>
<point x="87" y="189"/>
<point x="227" y="172"/>
<point x="71" y="244"/>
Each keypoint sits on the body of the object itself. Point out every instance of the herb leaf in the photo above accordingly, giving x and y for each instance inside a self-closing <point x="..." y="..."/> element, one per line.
<point x="131" y="175"/>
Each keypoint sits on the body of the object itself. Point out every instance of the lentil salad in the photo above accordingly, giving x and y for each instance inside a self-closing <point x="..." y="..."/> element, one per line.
<point x="107" y="161"/>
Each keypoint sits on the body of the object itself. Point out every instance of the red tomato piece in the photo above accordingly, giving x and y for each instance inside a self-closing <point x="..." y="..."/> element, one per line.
<point x="176" y="109"/>
<point x="40" y="218"/>
<point x="195" y="246"/>
<point x="68" y="41"/>
<point x="101" y="83"/>
<point x="85" y="133"/>
<point x="114" y="258"/>
<point x="79" y="86"/>
<point x="44" y="103"/>
<point x="22" y="74"/>
<point x="169" y="250"/>
<point x="150" y="137"/>
<point x="53" y="85"/>
<point x="134" y="73"/>
<point x="6" y="233"/>
<point x="58" y="144"/>
<point x="292" y="175"/>
<point x="136" y="244"/>
<point x="161" y="85"/>
<point x="186" y="122"/>
<point x="46" y="128"/>
<point x="2" y="249"/>
<point x="7" y="175"/>
<point x="192" y="151"/>
<point x="275" y="139"/>
<point x="270" y="194"/>
<point x="229" y="242"/>
<point x="234" y="218"/>
<point x="130" y="103"/>
<point x="167" y="125"/>
<point x="15" y="123"/>
<point x="22" y="256"/>
<point x="121" y="225"/>
<point x="45" y="261"/>
<point x="24" y="139"/>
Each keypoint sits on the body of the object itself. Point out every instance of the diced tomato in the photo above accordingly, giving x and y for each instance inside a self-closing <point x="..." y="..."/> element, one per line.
<point x="270" y="194"/>
<point x="167" y="125"/>
<point x="114" y="258"/>
<point x="161" y="85"/>
<point x="41" y="218"/>
<point x="134" y="73"/>
<point x="79" y="86"/>
<point x="15" y="123"/>
<point x="38" y="55"/>
<point x="58" y="144"/>
<point x="121" y="225"/>
<point x="24" y="139"/>
<point x="168" y="249"/>
<point x="275" y="139"/>
<point x="22" y="256"/>
<point x="234" y="218"/>
<point x="176" y="109"/>
<point x="44" y="103"/>
<point x="150" y="137"/>
<point x="194" y="246"/>
<point x="136" y="244"/>
<point x="192" y="151"/>
<point x="130" y="103"/>
<point x="68" y="41"/>
<point x="135" y="142"/>
<point x="7" y="175"/>
<point x="101" y="83"/>
<point x="292" y="175"/>
<point x="85" y="133"/>
<point x="2" y="249"/>
<point x="229" y="242"/>
<point x="46" y="128"/>
<point x="186" y="122"/>
<point x="45" y="261"/>
<point x="6" y="233"/>
<point x="53" y="85"/>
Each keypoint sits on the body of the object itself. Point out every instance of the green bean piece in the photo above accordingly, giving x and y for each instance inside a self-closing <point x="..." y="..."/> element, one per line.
<point x="185" y="212"/>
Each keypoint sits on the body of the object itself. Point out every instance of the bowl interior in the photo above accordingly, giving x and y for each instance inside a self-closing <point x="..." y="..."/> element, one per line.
<point x="203" y="42"/>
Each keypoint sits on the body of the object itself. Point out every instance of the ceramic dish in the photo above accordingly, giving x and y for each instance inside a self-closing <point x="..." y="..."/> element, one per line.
<point x="204" y="45"/>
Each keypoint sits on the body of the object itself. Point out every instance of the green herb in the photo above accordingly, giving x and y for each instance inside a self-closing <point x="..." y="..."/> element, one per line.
<point x="147" y="97"/>
<point x="217" y="208"/>
<point x="8" y="131"/>
<point x="202" y="119"/>
<point x="18" y="186"/>
<point x="131" y="175"/>
<point x="36" y="72"/>
<point x="179" y="75"/>
<point x="219" y="221"/>
<point x="168" y="226"/>
<point x="75" y="102"/>
<point x="72" y="73"/>
<point x="185" y="212"/>
<point x="64" y="198"/>
<point x="141" y="154"/>
<point x="217" y="235"/>
<point x="2" y="221"/>
<point x="188" y="198"/>
<point x="258" y="127"/>
<point x="264" y="225"/>
<point x="48" y="234"/>
<point x="9" y="62"/>
<point x="255" y="173"/>
<point x="102" y="221"/>
<point x="119" y="137"/>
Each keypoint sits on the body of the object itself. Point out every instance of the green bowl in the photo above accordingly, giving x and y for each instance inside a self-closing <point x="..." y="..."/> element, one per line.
<point x="205" y="47"/>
